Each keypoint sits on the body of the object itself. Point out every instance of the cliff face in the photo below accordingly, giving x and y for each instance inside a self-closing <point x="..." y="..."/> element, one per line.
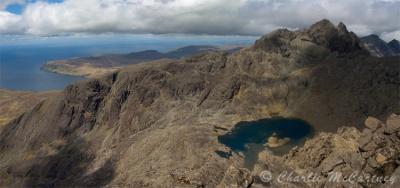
<point x="156" y="124"/>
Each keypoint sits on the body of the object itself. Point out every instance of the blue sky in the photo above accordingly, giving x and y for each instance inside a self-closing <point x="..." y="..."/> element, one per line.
<point x="18" y="7"/>
<point x="44" y="18"/>
<point x="15" y="8"/>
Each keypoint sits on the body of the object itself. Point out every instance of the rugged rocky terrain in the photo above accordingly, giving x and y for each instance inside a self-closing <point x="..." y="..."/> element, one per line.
<point x="379" y="48"/>
<point x="14" y="103"/>
<point x="101" y="65"/>
<point x="335" y="156"/>
<point x="156" y="124"/>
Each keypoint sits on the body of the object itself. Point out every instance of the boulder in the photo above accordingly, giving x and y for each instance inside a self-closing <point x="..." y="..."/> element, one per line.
<point x="372" y="123"/>
<point x="236" y="177"/>
<point x="393" y="124"/>
<point x="380" y="159"/>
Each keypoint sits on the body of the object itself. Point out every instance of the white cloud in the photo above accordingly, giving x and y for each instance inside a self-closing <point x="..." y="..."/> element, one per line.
<point x="387" y="36"/>
<point x="242" y="17"/>
<point x="10" y="23"/>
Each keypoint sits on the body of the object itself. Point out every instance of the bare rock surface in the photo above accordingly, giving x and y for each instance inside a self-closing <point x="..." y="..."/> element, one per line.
<point x="373" y="123"/>
<point x="335" y="156"/>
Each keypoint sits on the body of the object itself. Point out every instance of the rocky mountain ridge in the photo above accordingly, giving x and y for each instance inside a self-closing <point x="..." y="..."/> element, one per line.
<point x="100" y="65"/>
<point x="379" y="48"/>
<point x="14" y="103"/>
<point x="395" y="46"/>
<point x="156" y="124"/>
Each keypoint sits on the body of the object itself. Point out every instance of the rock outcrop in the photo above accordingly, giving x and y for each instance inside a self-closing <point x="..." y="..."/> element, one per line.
<point x="332" y="157"/>
<point x="157" y="124"/>
<point x="274" y="141"/>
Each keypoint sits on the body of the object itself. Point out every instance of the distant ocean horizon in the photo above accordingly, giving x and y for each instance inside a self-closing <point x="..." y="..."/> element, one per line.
<point x="20" y="60"/>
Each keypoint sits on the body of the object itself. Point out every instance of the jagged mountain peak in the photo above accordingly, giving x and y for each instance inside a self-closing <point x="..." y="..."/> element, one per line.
<point x="394" y="41"/>
<point x="372" y="37"/>
<point x="327" y="27"/>
<point x="342" y="27"/>
<point x="379" y="48"/>
<point x="395" y="46"/>
<point x="321" y="34"/>
<point x="337" y="39"/>
<point x="323" y="25"/>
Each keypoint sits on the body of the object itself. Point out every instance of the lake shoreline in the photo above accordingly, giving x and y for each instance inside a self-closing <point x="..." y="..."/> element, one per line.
<point x="249" y="138"/>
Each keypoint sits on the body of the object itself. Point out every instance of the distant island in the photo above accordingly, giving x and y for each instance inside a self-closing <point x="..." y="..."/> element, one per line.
<point x="99" y="65"/>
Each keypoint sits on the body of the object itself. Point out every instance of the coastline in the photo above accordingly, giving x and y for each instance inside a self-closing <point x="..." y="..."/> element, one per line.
<point x="83" y="70"/>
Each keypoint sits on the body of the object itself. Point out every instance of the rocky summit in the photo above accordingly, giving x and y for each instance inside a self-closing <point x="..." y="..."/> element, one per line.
<point x="157" y="124"/>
